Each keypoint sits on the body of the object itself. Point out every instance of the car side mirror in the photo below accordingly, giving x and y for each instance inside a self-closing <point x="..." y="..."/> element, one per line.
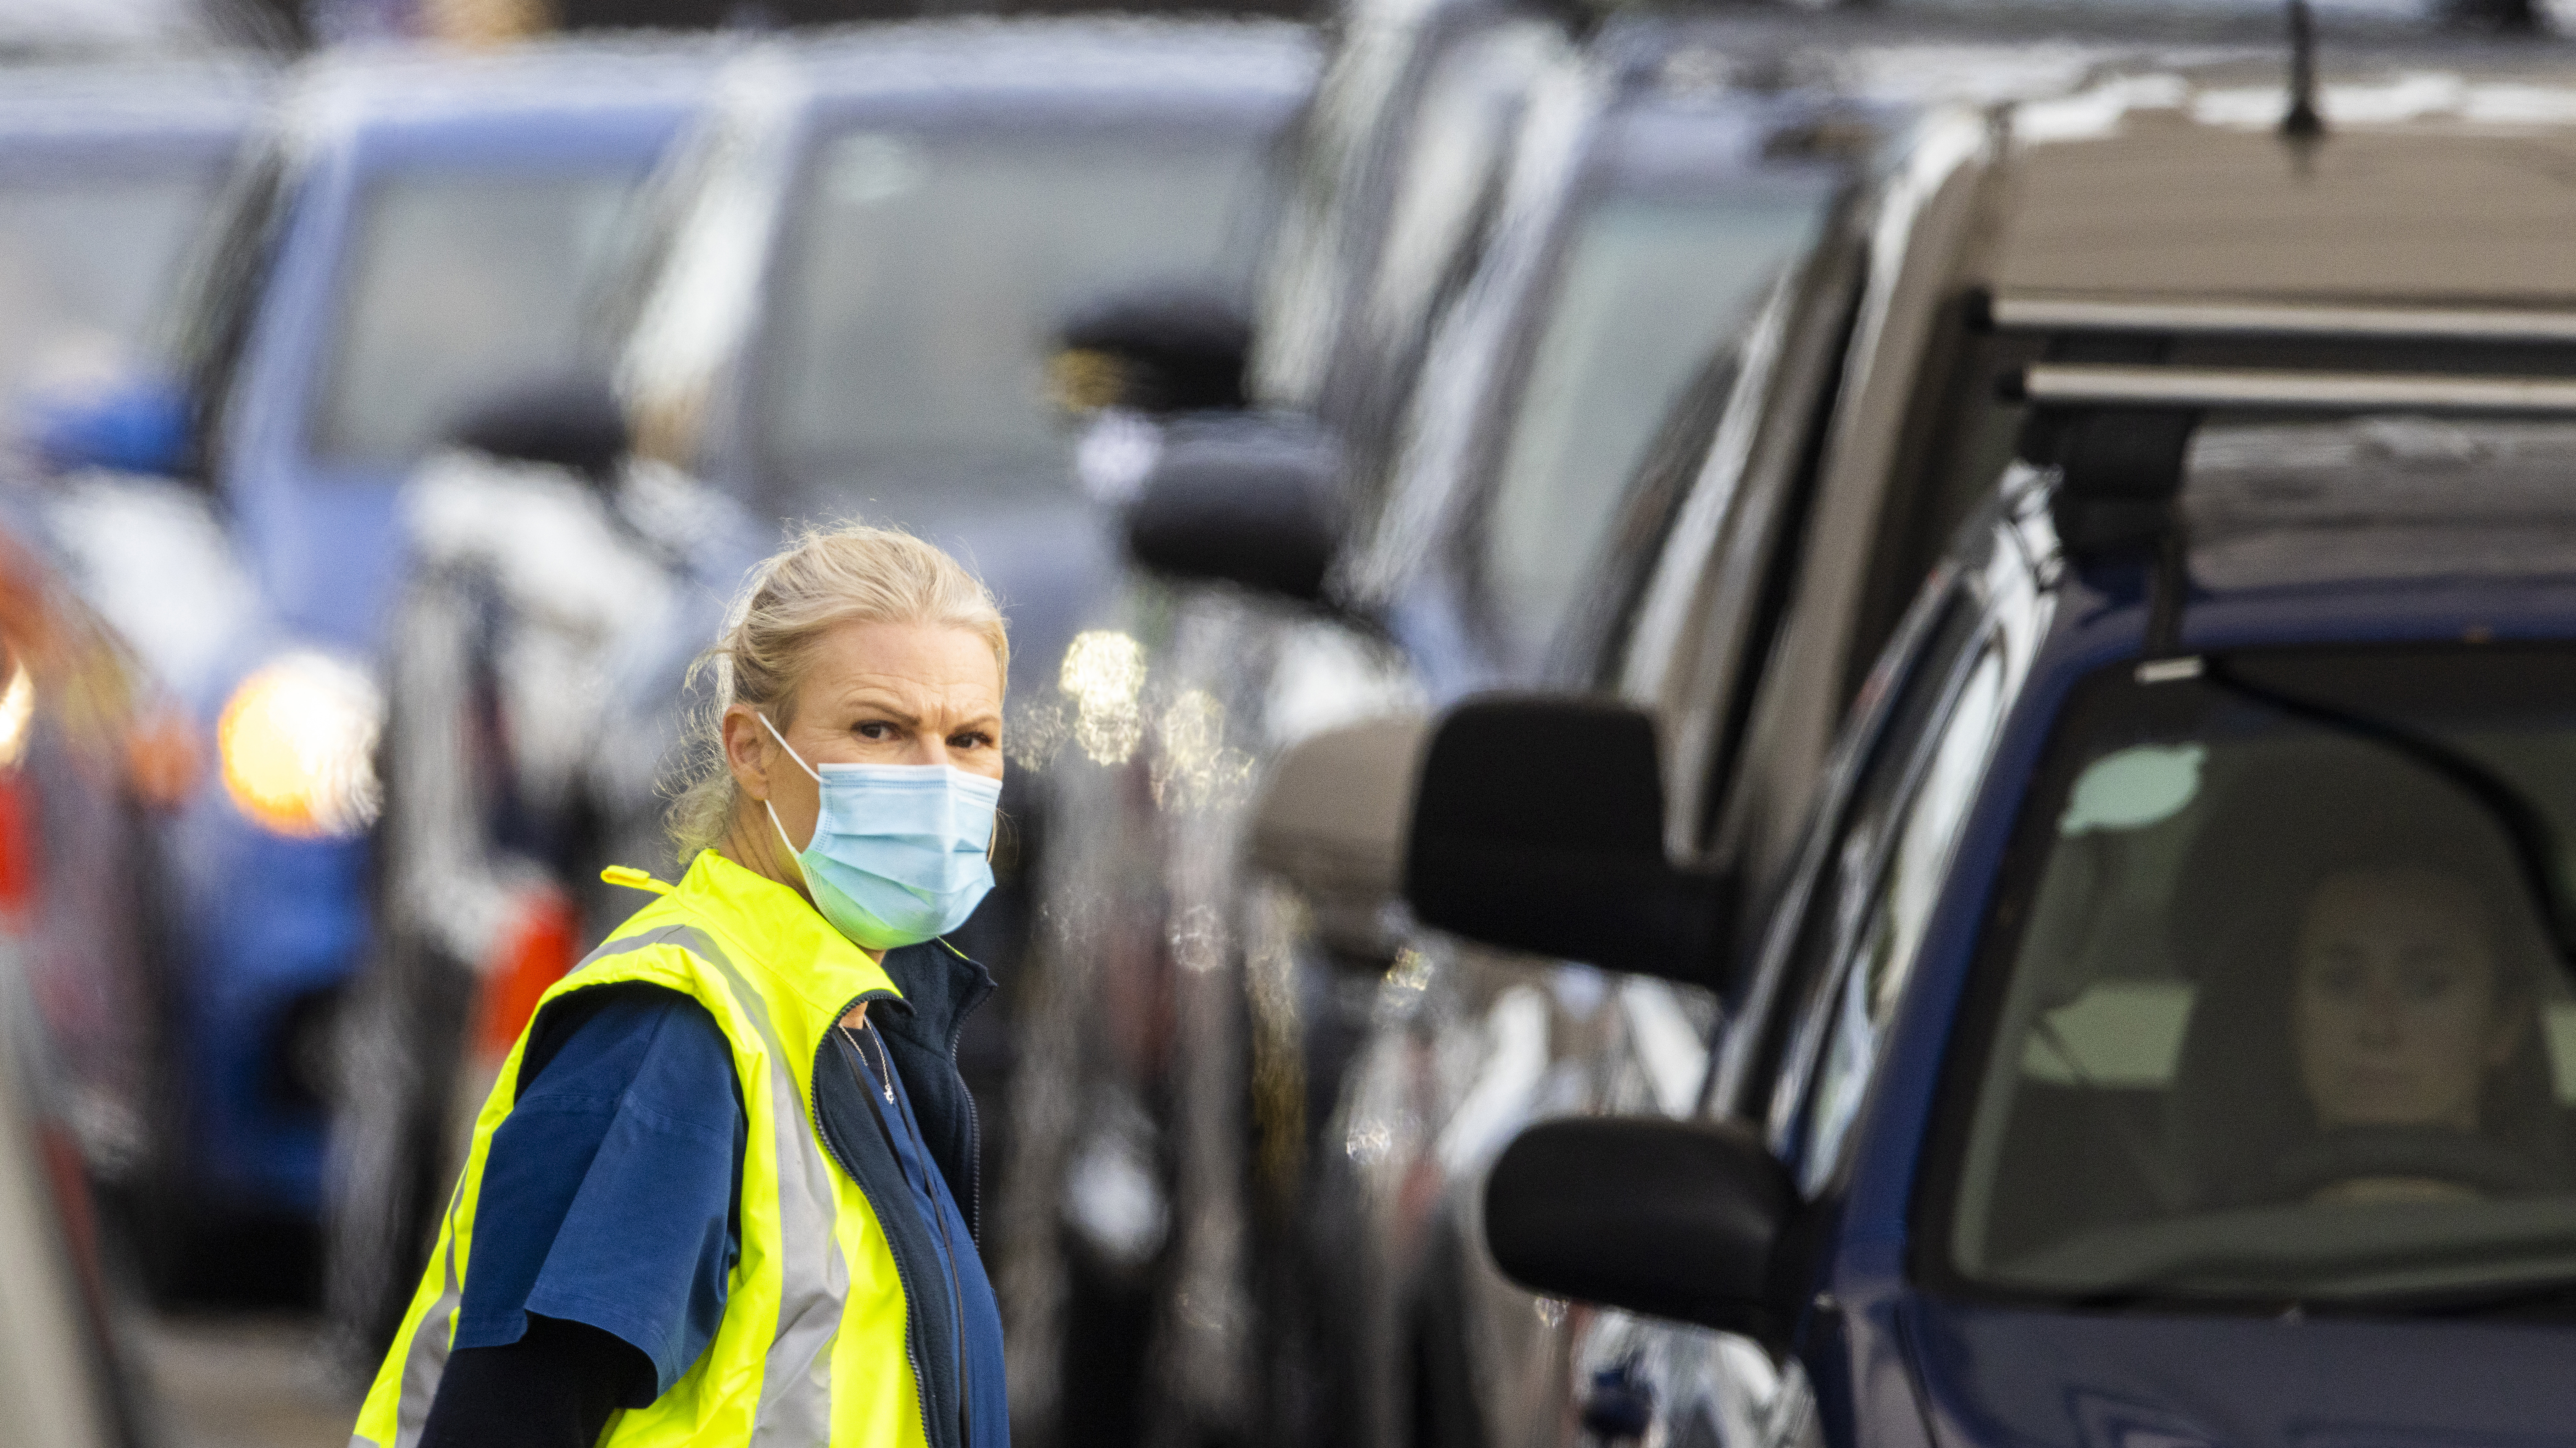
<point x="569" y="420"/>
<point x="1672" y="1219"/>
<point x="1165" y="349"/>
<point x="1539" y="826"/>
<point x="137" y="423"/>
<point x="1254" y="500"/>
<point x="1331" y="821"/>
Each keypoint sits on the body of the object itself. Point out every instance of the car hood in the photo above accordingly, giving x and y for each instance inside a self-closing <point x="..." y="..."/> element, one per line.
<point x="1996" y="1376"/>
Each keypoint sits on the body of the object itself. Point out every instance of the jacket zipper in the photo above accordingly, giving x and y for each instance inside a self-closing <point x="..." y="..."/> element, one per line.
<point x="814" y="1110"/>
<point x="974" y="1137"/>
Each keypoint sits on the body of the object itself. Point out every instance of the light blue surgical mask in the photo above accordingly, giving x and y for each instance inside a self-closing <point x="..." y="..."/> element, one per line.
<point x="900" y="851"/>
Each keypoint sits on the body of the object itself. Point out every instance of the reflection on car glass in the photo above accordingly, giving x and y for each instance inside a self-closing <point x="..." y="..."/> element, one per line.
<point x="82" y="264"/>
<point x="918" y="293"/>
<point x="2282" y="1017"/>
<point x="1651" y="284"/>
<point x="461" y="283"/>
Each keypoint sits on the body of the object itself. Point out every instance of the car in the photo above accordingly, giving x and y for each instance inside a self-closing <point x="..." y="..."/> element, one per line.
<point x="93" y="753"/>
<point x="407" y="225"/>
<point x="2028" y="1121"/>
<point x="840" y="308"/>
<point x="107" y="173"/>
<point x="1646" y="203"/>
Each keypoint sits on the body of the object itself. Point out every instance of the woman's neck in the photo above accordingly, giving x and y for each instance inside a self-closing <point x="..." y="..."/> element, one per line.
<point x="751" y="842"/>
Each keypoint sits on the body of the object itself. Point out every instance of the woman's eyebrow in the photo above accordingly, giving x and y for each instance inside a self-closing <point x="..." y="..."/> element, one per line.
<point x="886" y="703"/>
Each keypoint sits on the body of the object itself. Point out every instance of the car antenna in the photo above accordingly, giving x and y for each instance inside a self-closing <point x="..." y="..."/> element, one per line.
<point x="2301" y="122"/>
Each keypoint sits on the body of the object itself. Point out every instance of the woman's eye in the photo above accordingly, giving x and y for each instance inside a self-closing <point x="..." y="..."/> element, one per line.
<point x="875" y="729"/>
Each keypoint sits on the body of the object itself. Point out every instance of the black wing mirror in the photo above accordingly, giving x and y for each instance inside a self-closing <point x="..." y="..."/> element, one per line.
<point x="1254" y="500"/>
<point x="1673" y="1219"/>
<point x="1539" y="826"/>
<point x="570" y="420"/>
<point x="1163" y="349"/>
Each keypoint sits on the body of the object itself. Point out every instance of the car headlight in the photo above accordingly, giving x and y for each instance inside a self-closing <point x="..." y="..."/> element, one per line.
<point x="298" y="740"/>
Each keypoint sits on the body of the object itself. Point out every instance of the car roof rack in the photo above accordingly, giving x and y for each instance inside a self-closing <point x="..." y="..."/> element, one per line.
<point x="2263" y="389"/>
<point x="2118" y="435"/>
<point x="2083" y="316"/>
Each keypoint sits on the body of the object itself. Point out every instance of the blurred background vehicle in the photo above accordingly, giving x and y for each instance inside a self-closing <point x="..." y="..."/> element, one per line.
<point x="107" y="172"/>
<point x="1392" y="173"/>
<point x="92" y="754"/>
<point x="1855" y="845"/>
<point x="839" y="308"/>
<point x="406" y="228"/>
<point x="1645" y="205"/>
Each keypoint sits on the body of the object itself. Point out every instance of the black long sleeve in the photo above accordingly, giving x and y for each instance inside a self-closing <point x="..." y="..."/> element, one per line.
<point x="553" y="1388"/>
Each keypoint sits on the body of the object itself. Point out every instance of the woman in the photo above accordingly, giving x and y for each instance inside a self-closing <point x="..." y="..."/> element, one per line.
<point x="2369" y="973"/>
<point x="2407" y="1007"/>
<point x="724" y="1190"/>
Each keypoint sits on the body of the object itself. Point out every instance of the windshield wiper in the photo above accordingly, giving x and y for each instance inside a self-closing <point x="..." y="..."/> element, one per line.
<point x="2526" y="828"/>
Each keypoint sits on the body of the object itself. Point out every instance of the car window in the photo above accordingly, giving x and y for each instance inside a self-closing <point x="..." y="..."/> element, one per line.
<point x="1894" y="911"/>
<point x="2267" y="1010"/>
<point x="84" y="261"/>
<point x="1823" y="905"/>
<point x="458" y="284"/>
<point x="1376" y="241"/>
<point x="1651" y="283"/>
<point x="928" y="270"/>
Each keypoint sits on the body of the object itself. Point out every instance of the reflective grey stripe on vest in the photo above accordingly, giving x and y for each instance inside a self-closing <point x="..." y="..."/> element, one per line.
<point x="427" y="1359"/>
<point x="796" y="1378"/>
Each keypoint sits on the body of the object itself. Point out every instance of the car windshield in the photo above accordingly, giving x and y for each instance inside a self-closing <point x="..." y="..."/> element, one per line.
<point x="84" y="262"/>
<point x="2278" y="1015"/>
<point x="913" y="314"/>
<point x="1654" y="281"/>
<point x="458" y="284"/>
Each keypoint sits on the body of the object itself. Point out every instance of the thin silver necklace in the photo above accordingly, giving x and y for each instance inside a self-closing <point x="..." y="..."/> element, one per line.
<point x="885" y="1066"/>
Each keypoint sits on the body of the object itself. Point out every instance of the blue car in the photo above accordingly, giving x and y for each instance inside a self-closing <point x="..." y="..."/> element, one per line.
<point x="106" y="174"/>
<point x="412" y="228"/>
<point x="2159" y="1032"/>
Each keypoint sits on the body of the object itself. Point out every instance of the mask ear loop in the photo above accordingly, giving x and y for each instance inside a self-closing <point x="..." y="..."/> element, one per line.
<point x="795" y="856"/>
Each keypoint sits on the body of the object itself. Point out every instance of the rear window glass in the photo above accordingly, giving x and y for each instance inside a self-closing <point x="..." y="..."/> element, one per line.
<point x="84" y="263"/>
<point x="929" y="271"/>
<point x="458" y="285"/>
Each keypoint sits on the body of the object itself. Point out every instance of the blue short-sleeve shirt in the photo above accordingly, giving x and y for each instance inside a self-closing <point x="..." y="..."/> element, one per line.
<point x="609" y="1194"/>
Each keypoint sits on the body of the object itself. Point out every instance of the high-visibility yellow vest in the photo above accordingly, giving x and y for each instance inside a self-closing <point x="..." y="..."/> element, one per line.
<point x="813" y="1348"/>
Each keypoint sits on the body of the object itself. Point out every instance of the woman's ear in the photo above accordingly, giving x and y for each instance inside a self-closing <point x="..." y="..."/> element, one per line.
<point x="746" y="747"/>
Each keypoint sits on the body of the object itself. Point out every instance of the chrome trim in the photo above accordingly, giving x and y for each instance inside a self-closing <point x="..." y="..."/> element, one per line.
<point x="2102" y="384"/>
<point x="2258" y="319"/>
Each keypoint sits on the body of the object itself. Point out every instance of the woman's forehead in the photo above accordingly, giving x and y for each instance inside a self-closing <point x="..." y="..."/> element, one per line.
<point x="906" y="657"/>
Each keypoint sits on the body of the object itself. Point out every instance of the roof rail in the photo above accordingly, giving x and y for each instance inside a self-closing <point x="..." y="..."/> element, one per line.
<point x="2118" y="435"/>
<point x="2116" y="385"/>
<point x="2499" y="325"/>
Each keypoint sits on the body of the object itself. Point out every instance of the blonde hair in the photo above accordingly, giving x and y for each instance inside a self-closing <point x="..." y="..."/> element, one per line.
<point x="827" y="577"/>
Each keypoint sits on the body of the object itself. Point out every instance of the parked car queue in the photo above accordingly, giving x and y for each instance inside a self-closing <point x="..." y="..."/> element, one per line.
<point x="1630" y="180"/>
<point x="2077" y="1083"/>
<point x="1814" y="470"/>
